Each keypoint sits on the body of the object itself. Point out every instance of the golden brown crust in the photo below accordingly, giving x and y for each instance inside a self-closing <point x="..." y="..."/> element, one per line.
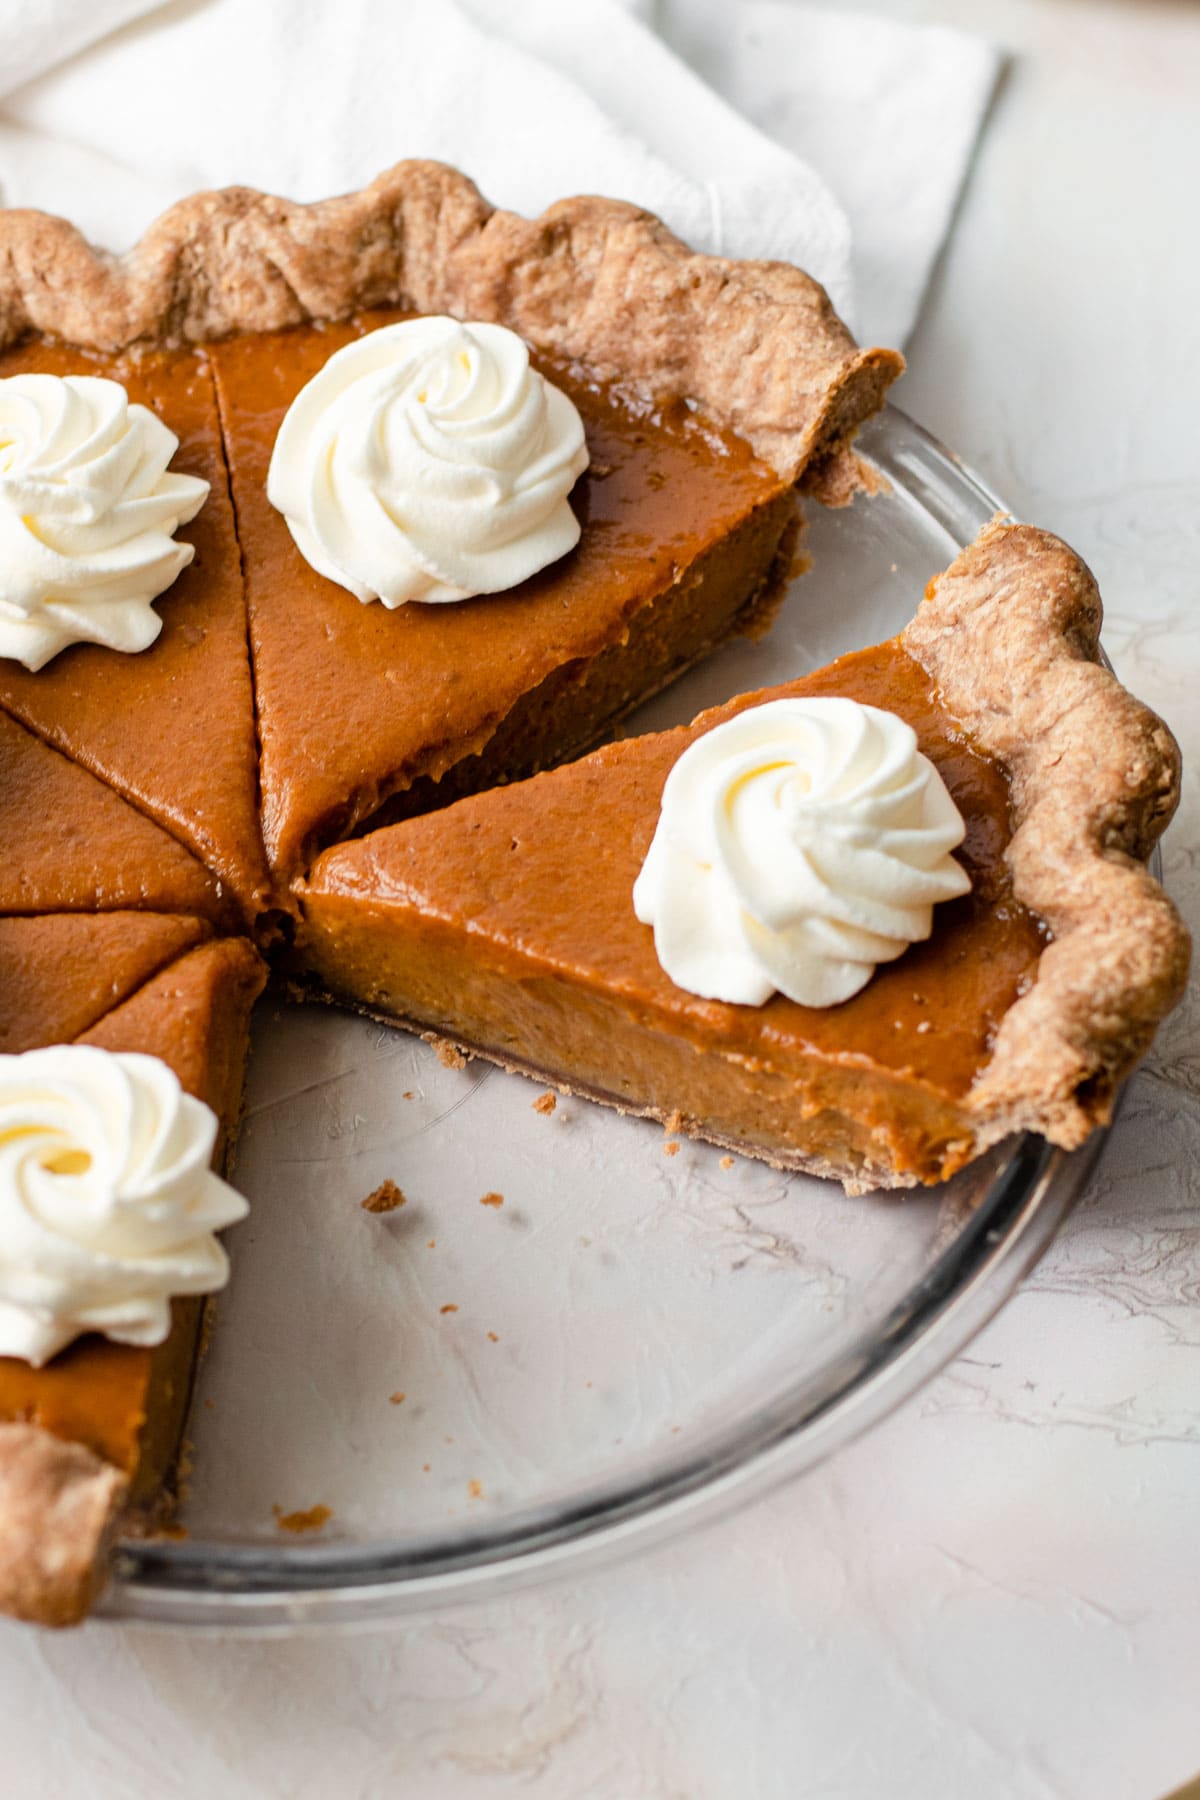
<point x="58" y="1507"/>
<point x="756" y="345"/>
<point x="1011" y="634"/>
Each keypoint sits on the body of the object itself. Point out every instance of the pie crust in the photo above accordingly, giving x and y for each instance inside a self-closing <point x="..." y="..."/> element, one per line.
<point x="1011" y="633"/>
<point x="756" y="345"/>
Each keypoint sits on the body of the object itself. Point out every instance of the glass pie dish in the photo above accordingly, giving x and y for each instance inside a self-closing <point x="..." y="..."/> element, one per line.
<point x="576" y="1333"/>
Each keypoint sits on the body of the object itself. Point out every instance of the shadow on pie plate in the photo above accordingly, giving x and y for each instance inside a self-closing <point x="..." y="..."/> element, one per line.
<point x="574" y="1335"/>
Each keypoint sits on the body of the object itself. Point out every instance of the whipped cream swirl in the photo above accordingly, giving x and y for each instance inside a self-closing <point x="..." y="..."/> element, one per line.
<point x="428" y="461"/>
<point x="107" y="1202"/>
<point x="88" y="512"/>
<point x="800" y="844"/>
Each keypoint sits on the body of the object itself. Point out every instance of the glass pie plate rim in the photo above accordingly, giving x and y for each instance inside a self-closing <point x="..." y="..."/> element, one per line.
<point x="1032" y="1187"/>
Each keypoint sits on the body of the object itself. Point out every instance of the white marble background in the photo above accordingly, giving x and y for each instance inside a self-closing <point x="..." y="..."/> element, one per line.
<point x="996" y="1596"/>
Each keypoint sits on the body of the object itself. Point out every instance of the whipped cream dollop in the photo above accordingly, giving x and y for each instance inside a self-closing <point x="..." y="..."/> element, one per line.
<point x="800" y="844"/>
<point x="107" y="1202"/>
<point x="428" y="461"/>
<point x="88" y="512"/>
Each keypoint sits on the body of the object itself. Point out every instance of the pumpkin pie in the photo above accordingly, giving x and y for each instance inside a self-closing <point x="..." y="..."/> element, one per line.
<point x="505" y="925"/>
<point x="171" y="728"/>
<point x="88" y="1444"/>
<point x="486" y="897"/>
<point x="709" y="390"/>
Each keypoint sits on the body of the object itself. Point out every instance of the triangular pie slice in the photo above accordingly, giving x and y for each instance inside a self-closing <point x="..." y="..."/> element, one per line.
<point x="72" y="845"/>
<point x="61" y="972"/>
<point x="172" y="727"/>
<point x="685" y="533"/>
<point x="505" y="925"/>
<point x="90" y="1441"/>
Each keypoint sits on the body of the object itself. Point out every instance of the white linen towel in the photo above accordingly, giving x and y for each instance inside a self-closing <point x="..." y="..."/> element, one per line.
<point x="840" y="146"/>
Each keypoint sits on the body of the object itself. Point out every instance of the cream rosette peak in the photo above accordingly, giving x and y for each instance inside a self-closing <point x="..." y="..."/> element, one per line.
<point x="88" y="512"/>
<point x="428" y="461"/>
<point x="800" y="844"/>
<point x="108" y="1204"/>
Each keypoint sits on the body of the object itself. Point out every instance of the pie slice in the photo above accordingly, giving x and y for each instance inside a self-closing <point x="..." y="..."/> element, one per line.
<point x="710" y="389"/>
<point x="72" y="845"/>
<point x="89" y="1442"/>
<point x="685" y="533"/>
<point x="172" y="727"/>
<point x="61" y="972"/>
<point x="505" y="923"/>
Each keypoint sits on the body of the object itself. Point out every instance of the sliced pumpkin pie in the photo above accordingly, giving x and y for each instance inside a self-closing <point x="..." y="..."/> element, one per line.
<point x="170" y="727"/>
<point x="89" y="1440"/>
<point x="708" y="389"/>
<point x="506" y="923"/>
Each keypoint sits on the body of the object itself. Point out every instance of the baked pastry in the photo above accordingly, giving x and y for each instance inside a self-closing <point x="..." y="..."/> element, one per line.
<point x="89" y="1442"/>
<point x="195" y="759"/>
<point x="708" y="391"/>
<point x="172" y="727"/>
<point x="690" y="518"/>
<point x="1034" y="996"/>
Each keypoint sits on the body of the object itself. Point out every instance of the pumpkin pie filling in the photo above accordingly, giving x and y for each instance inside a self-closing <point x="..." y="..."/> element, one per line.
<point x="61" y="972"/>
<point x="683" y="527"/>
<point x="505" y="924"/>
<point x="172" y="727"/>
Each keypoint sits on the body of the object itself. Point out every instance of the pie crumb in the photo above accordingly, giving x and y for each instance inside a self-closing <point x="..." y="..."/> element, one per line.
<point x="727" y="1162"/>
<point x="475" y="1490"/>
<point x="491" y="1199"/>
<point x="385" y="1198"/>
<point x="673" y="1122"/>
<point x="396" y="1399"/>
<point x="671" y="1147"/>
<point x="545" y="1104"/>
<point x="449" y="1308"/>
<point x="493" y="1338"/>
<point x="312" y="1518"/>
<point x="448" y="1054"/>
<point x="408" y="1094"/>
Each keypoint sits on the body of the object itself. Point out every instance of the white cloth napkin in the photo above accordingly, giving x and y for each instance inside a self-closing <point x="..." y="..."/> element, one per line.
<point x="110" y="111"/>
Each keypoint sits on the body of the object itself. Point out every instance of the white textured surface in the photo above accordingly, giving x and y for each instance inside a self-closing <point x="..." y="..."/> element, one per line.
<point x="997" y="1594"/>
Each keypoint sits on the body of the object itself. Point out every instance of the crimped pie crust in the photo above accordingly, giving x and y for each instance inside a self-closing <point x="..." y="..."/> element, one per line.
<point x="60" y="1505"/>
<point x="756" y="345"/>
<point x="1011" y="634"/>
